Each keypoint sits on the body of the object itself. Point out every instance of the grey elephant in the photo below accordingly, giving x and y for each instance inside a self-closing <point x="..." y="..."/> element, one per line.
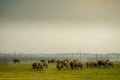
<point x="91" y="64"/>
<point x="76" y="64"/>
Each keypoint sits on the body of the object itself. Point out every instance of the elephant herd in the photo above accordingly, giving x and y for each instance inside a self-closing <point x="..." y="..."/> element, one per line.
<point x="105" y="63"/>
<point x="74" y="65"/>
<point x="99" y="63"/>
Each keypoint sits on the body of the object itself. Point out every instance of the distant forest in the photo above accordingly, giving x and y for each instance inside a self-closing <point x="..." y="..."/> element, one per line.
<point x="7" y="57"/>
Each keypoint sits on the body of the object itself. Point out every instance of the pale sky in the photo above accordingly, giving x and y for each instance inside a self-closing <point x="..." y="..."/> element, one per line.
<point x="60" y="26"/>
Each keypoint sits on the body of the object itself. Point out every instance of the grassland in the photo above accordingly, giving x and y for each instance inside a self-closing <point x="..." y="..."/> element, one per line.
<point x="24" y="71"/>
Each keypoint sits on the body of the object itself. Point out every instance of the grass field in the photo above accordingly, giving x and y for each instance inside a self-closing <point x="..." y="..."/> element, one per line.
<point x="24" y="71"/>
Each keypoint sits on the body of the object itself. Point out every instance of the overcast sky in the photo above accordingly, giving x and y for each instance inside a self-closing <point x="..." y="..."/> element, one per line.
<point x="59" y="26"/>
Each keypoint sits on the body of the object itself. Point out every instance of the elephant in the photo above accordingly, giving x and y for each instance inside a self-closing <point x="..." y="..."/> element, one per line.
<point x="16" y="61"/>
<point x="63" y="63"/>
<point x="109" y="63"/>
<point x="52" y="61"/>
<point x="91" y="64"/>
<point x="42" y="60"/>
<point x="39" y="65"/>
<point x="59" y="66"/>
<point x="101" y="63"/>
<point x="34" y="65"/>
<point x="76" y="64"/>
<point x="45" y="65"/>
<point x="71" y="65"/>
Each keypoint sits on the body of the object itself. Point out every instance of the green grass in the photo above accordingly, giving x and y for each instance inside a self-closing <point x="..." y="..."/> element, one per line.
<point x="24" y="71"/>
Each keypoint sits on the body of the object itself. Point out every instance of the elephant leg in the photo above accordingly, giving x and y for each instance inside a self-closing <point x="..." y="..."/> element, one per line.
<point x="75" y="68"/>
<point x="90" y="65"/>
<point x="81" y="66"/>
<point x="87" y="66"/>
<point x="78" y="66"/>
<point x="37" y="67"/>
<point x="72" y="67"/>
<point x="46" y="66"/>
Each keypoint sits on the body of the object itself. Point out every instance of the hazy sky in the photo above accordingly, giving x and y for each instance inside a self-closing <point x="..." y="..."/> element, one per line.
<point x="59" y="26"/>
